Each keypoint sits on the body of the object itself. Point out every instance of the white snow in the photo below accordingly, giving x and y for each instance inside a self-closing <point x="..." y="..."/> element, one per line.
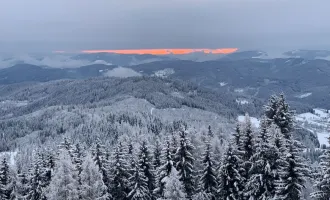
<point x="255" y="122"/>
<point x="177" y="94"/>
<point x="152" y="109"/>
<point x="323" y="138"/>
<point x="11" y="155"/>
<point x="321" y="112"/>
<point x="164" y="73"/>
<point x="242" y="101"/>
<point x="304" y="95"/>
<point x="317" y="122"/>
<point x="239" y="90"/>
<point x="223" y="84"/>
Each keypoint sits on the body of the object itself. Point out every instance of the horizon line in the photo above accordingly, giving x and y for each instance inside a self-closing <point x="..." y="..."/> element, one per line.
<point x="176" y="51"/>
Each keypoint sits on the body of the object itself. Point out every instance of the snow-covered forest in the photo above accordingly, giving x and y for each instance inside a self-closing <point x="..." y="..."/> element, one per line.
<point x="251" y="163"/>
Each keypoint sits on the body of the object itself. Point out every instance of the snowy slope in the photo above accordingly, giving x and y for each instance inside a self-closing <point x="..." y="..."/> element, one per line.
<point x="316" y="122"/>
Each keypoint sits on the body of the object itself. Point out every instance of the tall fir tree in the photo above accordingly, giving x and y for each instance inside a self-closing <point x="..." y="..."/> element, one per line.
<point x="67" y="145"/>
<point x="208" y="181"/>
<point x="99" y="156"/>
<point x="92" y="185"/>
<point x="174" y="143"/>
<point x="145" y="163"/>
<point x="246" y="147"/>
<point x="230" y="180"/>
<point x="36" y="190"/>
<point x="210" y="132"/>
<point x="278" y="112"/>
<point x="184" y="163"/>
<point x="165" y="169"/>
<point x="119" y="174"/>
<point x="292" y="174"/>
<point x="157" y="155"/>
<point x="22" y="186"/>
<point x="6" y="181"/>
<point x="139" y="185"/>
<point x="77" y="159"/>
<point x="261" y="184"/>
<point x="174" y="189"/>
<point x="237" y="136"/>
<point x="63" y="184"/>
<point x="323" y="184"/>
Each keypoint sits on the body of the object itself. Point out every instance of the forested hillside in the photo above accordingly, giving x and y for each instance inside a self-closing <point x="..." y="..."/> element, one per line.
<point x="173" y="161"/>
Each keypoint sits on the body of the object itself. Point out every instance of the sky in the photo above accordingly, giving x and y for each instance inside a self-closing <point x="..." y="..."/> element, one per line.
<point x="77" y="25"/>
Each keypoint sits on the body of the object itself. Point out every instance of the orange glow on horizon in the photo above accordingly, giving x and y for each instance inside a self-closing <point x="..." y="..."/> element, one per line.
<point x="164" y="51"/>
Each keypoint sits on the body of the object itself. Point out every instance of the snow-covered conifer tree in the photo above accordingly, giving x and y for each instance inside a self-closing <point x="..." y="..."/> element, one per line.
<point x="323" y="185"/>
<point x="184" y="163"/>
<point x="174" y="189"/>
<point x="246" y="147"/>
<point x="99" y="156"/>
<point x="6" y="181"/>
<point x="145" y="163"/>
<point x="292" y="174"/>
<point x="165" y="168"/>
<point x="36" y="190"/>
<point x="261" y="184"/>
<point x="119" y="174"/>
<point x="230" y="180"/>
<point x="278" y="112"/>
<point x="22" y="186"/>
<point x="63" y="184"/>
<point x="157" y="155"/>
<point x="139" y="185"/>
<point x="92" y="185"/>
<point x="208" y="181"/>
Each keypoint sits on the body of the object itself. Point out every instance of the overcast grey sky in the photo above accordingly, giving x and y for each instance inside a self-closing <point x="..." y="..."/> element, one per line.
<point x="46" y="25"/>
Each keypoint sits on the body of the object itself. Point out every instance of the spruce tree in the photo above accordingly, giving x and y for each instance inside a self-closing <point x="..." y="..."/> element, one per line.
<point x="174" y="143"/>
<point x="165" y="169"/>
<point x="77" y="159"/>
<point x="263" y="172"/>
<point x="92" y="185"/>
<point x="157" y="155"/>
<point x="36" y="190"/>
<point x="230" y="180"/>
<point x="278" y="112"/>
<point x="210" y="132"/>
<point x="99" y="157"/>
<point x="63" y="184"/>
<point x="22" y="186"/>
<point x="184" y="163"/>
<point x="145" y="163"/>
<point x="139" y="185"/>
<point x="66" y="145"/>
<point x="292" y="174"/>
<point x="208" y="181"/>
<point x="323" y="184"/>
<point x="246" y="148"/>
<point x="174" y="189"/>
<point x="119" y="174"/>
<point x="6" y="182"/>
<point x="237" y="135"/>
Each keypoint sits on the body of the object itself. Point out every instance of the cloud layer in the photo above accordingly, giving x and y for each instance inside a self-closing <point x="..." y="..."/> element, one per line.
<point x="122" y="72"/>
<point x="56" y="61"/>
<point x="38" y="25"/>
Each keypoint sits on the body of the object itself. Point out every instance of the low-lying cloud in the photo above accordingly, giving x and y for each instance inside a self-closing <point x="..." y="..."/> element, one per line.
<point x="55" y="61"/>
<point x="122" y="72"/>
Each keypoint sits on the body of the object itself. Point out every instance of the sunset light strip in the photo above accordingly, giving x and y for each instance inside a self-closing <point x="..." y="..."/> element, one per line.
<point x="164" y="51"/>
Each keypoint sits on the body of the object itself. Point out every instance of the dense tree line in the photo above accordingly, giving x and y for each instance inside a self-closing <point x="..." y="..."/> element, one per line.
<point x="257" y="164"/>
